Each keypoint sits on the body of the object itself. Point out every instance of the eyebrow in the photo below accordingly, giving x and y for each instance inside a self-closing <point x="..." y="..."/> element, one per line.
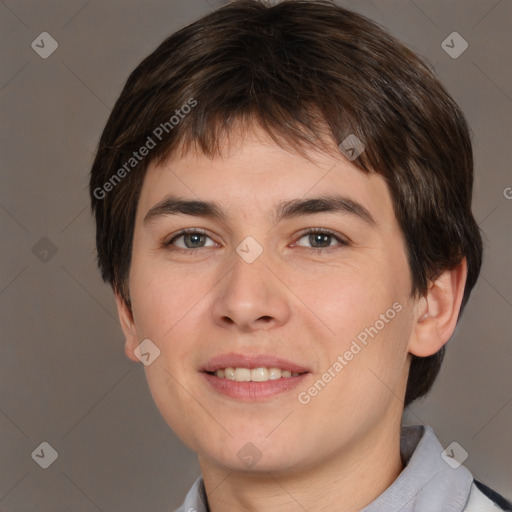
<point x="172" y="205"/>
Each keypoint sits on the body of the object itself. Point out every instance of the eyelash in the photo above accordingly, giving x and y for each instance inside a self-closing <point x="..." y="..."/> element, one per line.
<point x="342" y="242"/>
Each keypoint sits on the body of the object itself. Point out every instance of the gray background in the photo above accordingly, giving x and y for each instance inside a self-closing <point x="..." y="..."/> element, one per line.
<point x="64" y="376"/>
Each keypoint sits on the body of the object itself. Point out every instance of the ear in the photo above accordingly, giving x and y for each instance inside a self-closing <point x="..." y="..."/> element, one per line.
<point x="128" y="327"/>
<point x="437" y="312"/>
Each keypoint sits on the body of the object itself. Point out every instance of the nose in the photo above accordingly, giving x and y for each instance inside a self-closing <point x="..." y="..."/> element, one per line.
<point x="251" y="296"/>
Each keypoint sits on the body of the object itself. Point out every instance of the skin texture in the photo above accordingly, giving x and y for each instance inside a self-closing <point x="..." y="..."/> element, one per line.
<point x="292" y="302"/>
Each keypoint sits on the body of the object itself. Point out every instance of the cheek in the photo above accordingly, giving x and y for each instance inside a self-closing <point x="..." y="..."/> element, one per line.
<point x="164" y="304"/>
<point x="163" y="297"/>
<point x="349" y="297"/>
<point x="377" y="374"/>
<point x="369" y="315"/>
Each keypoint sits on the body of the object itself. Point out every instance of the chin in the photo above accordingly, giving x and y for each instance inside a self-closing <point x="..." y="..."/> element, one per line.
<point x="241" y="455"/>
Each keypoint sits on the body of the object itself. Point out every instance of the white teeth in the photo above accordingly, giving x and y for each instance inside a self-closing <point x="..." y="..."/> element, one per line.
<point x="242" y="374"/>
<point x="274" y="373"/>
<point x="229" y="373"/>
<point x="254" y="374"/>
<point x="259" y="374"/>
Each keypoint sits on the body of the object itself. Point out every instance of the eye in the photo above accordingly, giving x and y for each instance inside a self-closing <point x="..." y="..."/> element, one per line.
<point x="192" y="238"/>
<point x="322" y="236"/>
<point x="195" y="238"/>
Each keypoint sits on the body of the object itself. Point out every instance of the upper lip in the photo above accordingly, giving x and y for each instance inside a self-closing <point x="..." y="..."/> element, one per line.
<point x="234" y="360"/>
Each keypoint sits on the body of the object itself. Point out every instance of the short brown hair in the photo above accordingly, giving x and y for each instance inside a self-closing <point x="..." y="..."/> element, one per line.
<point x="308" y="72"/>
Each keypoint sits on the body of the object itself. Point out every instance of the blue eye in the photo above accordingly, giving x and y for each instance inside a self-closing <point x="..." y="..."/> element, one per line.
<point x="320" y="236"/>
<point x="194" y="238"/>
<point x="194" y="235"/>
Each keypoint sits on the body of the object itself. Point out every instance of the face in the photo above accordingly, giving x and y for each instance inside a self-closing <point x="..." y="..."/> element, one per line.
<point x="269" y="283"/>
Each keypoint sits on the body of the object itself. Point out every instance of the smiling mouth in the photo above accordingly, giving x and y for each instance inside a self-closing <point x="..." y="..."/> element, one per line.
<point x="261" y="374"/>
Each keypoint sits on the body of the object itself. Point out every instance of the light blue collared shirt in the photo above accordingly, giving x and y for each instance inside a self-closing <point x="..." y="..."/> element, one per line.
<point x="426" y="484"/>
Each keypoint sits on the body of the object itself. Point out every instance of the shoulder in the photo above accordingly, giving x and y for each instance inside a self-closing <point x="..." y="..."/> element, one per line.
<point x="484" y="499"/>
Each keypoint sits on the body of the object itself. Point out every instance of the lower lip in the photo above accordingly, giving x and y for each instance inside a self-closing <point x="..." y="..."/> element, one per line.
<point x="253" y="391"/>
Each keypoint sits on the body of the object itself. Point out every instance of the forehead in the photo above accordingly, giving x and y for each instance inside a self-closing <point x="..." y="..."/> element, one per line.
<point x="255" y="174"/>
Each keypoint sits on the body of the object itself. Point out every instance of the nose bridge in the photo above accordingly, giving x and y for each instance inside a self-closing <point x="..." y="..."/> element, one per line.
<point x="249" y="280"/>
<point x="251" y="293"/>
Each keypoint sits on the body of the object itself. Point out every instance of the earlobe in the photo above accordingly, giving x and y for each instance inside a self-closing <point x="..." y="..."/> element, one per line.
<point x="128" y="327"/>
<point x="438" y="311"/>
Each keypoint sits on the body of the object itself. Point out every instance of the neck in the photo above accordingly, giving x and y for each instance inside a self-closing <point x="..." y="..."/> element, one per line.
<point x="352" y="478"/>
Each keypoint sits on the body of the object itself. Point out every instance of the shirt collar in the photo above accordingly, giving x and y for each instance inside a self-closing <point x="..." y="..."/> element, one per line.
<point x="426" y="483"/>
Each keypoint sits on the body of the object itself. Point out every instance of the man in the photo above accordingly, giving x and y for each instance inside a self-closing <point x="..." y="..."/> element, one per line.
<point x="283" y="209"/>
